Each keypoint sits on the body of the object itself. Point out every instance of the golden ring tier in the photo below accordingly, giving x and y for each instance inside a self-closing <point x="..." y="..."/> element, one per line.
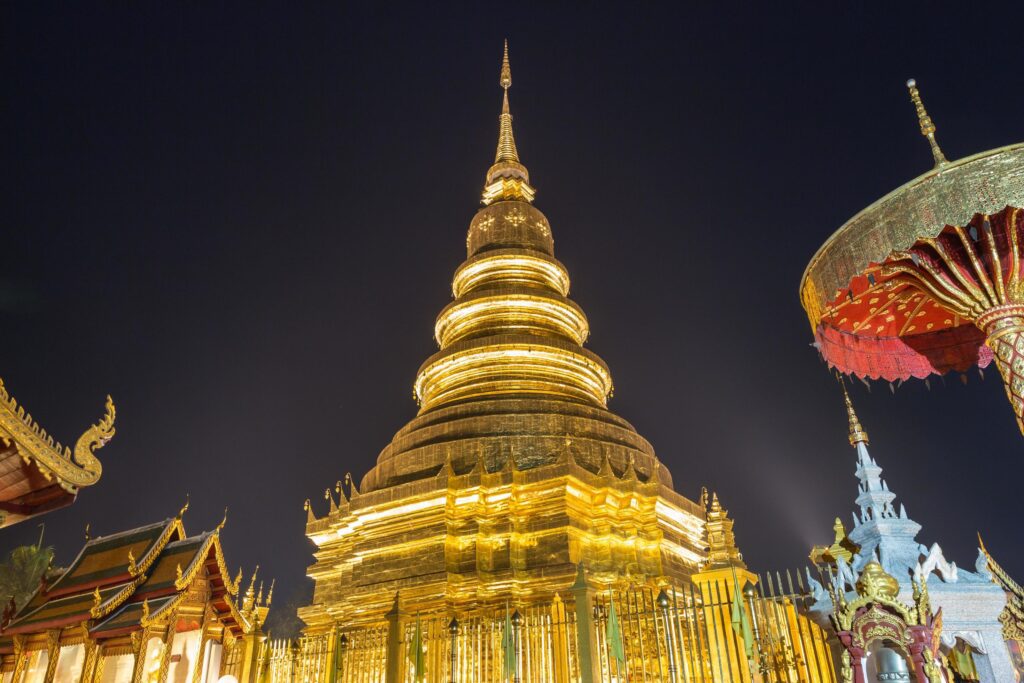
<point x="514" y="267"/>
<point x="517" y="310"/>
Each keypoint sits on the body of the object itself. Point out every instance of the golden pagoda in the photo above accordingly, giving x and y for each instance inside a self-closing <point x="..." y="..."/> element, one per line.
<point x="514" y="478"/>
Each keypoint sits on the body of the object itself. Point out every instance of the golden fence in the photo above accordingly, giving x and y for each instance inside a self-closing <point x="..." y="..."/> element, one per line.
<point x="687" y="635"/>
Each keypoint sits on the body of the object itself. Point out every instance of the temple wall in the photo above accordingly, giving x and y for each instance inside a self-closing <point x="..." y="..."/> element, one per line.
<point x="975" y="608"/>
<point x="117" y="669"/>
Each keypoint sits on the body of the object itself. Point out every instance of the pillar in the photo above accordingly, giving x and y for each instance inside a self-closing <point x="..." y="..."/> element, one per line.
<point x="394" y="653"/>
<point x="52" y="654"/>
<point x="586" y="637"/>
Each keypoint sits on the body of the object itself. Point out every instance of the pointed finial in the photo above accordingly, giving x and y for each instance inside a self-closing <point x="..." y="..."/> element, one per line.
<point x="715" y="505"/>
<point x="506" y="142"/>
<point x="145" y="609"/>
<point x="270" y="593"/>
<point x="506" y="70"/>
<point x="857" y="433"/>
<point x="223" y="521"/>
<point x="238" y="579"/>
<point x="88" y="534"/>
<point x="96" y="597"/>
<point x="184" y="508"/>
<point x="132" y="568"/>
<point x="927" y="125"/>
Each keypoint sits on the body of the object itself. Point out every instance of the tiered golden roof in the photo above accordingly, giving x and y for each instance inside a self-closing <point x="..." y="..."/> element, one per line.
<point x="514" y="470"/>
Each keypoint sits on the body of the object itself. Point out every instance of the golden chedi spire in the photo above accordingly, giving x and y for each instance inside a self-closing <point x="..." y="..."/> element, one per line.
<point x="511" y="343"/>
<point x="507" y="179"/>
<point x="722" y="550"/>
<point x="857" y="433"/>
<point x="514" y="473"/>
<point x="927" y="125"/>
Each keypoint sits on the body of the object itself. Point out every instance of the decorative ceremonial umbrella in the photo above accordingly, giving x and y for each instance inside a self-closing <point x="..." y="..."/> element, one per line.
<point x="928" y="279"/>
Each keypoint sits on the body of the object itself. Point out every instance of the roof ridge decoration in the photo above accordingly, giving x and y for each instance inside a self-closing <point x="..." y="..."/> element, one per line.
<point x="150" y="557"/>
<point x="103" y="608"/>
<point x="1000" y="574"/>
<point x="186" y="576"/>
<point x="72" y="468"/>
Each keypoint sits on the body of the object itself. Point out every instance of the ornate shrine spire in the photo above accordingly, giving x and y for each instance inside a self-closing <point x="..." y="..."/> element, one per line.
<point x="507" y="178"/>
<point x="857" y="433"/>
<point x="722" y="550"/>
<point x="506" y="141"/>
<point x="879" y="526"/>
<point x="927" y="125"/>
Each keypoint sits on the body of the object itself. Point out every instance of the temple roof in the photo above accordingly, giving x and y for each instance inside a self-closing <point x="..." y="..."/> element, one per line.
<point x="38" y="474"/>
<point x="121" y="582"/>
<point x="1012" y="617"/>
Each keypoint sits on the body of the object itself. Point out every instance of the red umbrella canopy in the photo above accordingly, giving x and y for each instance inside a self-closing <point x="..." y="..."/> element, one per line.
<point x="927" y="280"/>
<point x="946" y="303"/>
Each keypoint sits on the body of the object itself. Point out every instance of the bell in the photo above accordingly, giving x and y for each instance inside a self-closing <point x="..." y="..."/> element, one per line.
<point x="891" y="666"/>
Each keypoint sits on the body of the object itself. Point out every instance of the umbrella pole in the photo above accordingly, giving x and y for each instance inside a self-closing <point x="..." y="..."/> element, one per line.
<point x="1004" y="328"/>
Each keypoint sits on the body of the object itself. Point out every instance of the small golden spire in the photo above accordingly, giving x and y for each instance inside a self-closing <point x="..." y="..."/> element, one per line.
<point x="721" y="541"/>
<point x="857" y="433"/>
<point x="506" y="142"/>
<point x="927" y="125"/>
<point x="184" y="508"/>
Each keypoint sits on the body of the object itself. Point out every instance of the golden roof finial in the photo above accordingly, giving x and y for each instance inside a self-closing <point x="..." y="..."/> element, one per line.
<point x="506" y="70"/>
<point x="506" y="142"/>
<point x="927" y="125"/>
<point x="507" y="179"/>
<point x="857" y="433"/>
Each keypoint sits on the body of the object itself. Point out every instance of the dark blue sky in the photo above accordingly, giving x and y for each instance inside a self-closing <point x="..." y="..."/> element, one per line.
<point x="241" y="220"/>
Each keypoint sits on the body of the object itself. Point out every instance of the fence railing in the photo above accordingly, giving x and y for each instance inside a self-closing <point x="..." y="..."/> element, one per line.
<point x="691" y="634"/>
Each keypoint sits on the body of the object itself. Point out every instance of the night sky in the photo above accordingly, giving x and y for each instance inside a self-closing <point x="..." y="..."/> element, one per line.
<point x="241" y="221"/>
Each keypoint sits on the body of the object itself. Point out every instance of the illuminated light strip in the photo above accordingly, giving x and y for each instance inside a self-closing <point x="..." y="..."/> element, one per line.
<point x="365" y="518"/>
<point x="510" y="310"/>
<point x="682" y="552"/>
<point x="402" y="548"/>
<point x="684" y="520"/>
<point x="508" y="369"/>
<point x="500" y="268"/>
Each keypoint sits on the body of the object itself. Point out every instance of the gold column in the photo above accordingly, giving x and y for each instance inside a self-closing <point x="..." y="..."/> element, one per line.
<point x="165" y="654"/>
<point x="92" y="649"/>
<point x="586" y="636"/>
<point x="204" y="637"/>
<point x="560" y="645"/>
<point x="53" y="654"/>
<point x="101" y="661"/>
<point x="19" y="659"/>
<point x="395" y="670"/>
<point x="139" y="640"/>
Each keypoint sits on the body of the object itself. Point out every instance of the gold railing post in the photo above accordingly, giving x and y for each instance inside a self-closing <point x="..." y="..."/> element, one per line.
<point x="586" y="638"/>
<point x="663" y="605"/>
<point x="453" y="659"/>
<point x="394" y="646"/>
